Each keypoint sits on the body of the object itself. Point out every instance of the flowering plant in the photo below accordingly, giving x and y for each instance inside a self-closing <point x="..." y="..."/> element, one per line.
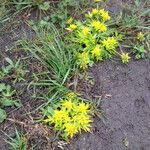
<point x="92" y="39"/>
<point x="71" y="116"/>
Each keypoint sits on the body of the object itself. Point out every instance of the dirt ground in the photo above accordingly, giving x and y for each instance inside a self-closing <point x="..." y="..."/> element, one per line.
<point x="126" y="107"/>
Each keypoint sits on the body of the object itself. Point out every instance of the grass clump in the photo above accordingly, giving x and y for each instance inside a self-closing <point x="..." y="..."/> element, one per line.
<point x="18" y="143"/>
<point x="49" y="50"/>
<point x="72" y="116"/>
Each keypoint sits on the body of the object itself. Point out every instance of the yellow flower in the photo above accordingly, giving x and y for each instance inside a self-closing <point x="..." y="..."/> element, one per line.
<point x="110" y="43"/>
<point x="72" y="27"/>
<point x="102" y="27"/>
<point x="70" y="129"/>
<point x="97" y="0"/>
<point x="66" y="118"/>
<point x="73" y="121"/>
<point x="140" y="36"/>
<point x="71" y="95"/>
<point x="99" y="26"/>
<point x="67" y="104"/>
<point x="85" y="30"/>
<point x="59" y="117"/>
<point x="82" y="122"/>
<point x="125" y="57"/>
<point x="96" y="53"/>
<point x="95" y="24"/>
<point x="82" y="108"/>
<point x="104" y="14"/>
<point x="94" y="11"/>
<point x="112" y="40"/>
<point x="84" y="60"/>
<point x="69" y="21"/>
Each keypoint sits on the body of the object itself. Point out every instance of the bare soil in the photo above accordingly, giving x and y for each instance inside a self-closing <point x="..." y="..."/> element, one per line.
<point x="126" y="104"/>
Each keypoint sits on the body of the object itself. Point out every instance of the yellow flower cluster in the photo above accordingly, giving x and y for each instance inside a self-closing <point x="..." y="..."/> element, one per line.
<point x="104" y="14"/>
<point x="71" y="117"/>
<point x="110" y="44"/>
<point x="84" y="59"/>
<point x="70" y="20"/>
<point x="72" y="27"/>
<point x="94" y="11"/>
<point x="97" y="53"/>
<point x="140" y="36"/>
<point x="93" y="39"/>
<point x="125" y="57"/>
<point x="99" y="26"/>
<point x="99" y="13"/>
<point x="85" y="30"/>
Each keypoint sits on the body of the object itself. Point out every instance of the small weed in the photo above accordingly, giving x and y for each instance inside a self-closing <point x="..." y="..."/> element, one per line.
<point x="18" y="143"/>
<point x="140" y="51"/>
<point x="133" y="22"/>
<point x="6" y="100"/>
<point x="15" y="69"/>
<point x="134" y="16"/>
<point x="9" y="9"/>
<point x="22" y="4"/>
<point x="141" y="46"/>
<point x="63" y="10"/>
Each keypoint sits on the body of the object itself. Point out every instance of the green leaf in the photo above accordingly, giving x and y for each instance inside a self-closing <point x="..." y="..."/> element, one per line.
<point x="17" y="103"/>
<point x="17" y="64"/>
<point x="9" y="61"/>
<point x="44" y="6"/>
<point x="2" y="115"/>
<point x="2" y="87"/>
<point x="8" y="92"/>
<point x="145" y="12"/>
<point x="50" y="110"/>
<point x="6" y="70"/>
<point x="7" y="102"/>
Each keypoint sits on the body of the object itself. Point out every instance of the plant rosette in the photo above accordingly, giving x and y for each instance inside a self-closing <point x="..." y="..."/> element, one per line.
<point x="72" y="116"/>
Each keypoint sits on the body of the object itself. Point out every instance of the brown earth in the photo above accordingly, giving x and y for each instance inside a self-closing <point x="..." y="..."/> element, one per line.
<point x="126" y="107"/>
